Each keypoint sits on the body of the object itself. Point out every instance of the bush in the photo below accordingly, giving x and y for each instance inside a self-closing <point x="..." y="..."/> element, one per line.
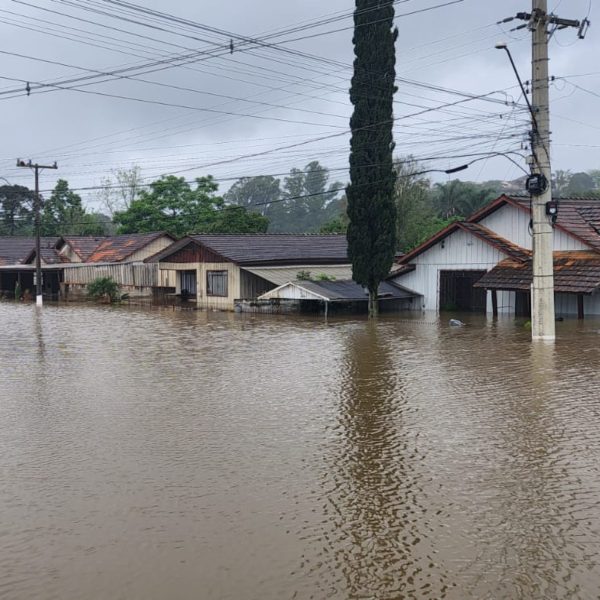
<point x="104" y="288"/>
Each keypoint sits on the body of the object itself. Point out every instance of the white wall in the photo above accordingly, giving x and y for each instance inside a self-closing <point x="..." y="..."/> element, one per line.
<point x="566" y="304"/>
<point x="512" y="224"/>
<point x="460" y="251"/>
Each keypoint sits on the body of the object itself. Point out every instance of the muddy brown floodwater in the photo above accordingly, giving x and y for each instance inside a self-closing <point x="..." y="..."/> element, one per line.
<point x="159" y="455"/>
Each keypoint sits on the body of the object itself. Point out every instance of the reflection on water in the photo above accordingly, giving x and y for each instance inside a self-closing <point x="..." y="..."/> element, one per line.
<point x="194" y="455"/>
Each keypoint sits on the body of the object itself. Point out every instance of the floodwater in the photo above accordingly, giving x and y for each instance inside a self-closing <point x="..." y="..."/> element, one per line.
<point x="188" y="455"/>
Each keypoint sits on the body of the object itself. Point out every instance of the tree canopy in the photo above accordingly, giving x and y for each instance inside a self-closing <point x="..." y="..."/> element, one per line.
<point x="16" y="214"/>
<point x="305" y="202"/>
<point x="64" y="214"/>
<point x="171" y="204"/>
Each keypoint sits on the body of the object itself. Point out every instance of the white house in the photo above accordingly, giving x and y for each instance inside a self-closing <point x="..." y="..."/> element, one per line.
<point x="483" y="264"/>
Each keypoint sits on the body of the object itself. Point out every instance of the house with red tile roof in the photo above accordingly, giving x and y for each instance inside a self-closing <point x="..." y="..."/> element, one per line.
<point x="69" y="263"/>
<point x="483" y="264"/>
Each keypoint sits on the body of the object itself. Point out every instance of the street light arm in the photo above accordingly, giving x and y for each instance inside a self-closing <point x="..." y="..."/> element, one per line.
<point x="512" y="62"/>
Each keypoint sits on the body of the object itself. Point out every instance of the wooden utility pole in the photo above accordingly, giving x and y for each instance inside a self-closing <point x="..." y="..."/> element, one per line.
<point x="38" y="225"/>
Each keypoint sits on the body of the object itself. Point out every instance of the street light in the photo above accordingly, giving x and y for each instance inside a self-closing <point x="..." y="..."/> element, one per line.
<point x="504" y="46"/>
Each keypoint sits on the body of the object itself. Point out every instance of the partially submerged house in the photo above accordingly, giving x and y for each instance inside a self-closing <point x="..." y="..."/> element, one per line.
<point x="345" y="295"/>
<point x="220" y="270"/>
<point x="483" y="264"/>
<point x="15" y="252"/>
<point x="70" y="263"/>
<point x="120" y="257"/>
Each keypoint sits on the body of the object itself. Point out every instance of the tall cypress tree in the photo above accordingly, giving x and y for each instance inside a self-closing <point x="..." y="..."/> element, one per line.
<point x="371" y="207"/>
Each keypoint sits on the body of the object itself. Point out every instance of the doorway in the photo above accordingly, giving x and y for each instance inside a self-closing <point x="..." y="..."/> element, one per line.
<point x="458" y="294"/>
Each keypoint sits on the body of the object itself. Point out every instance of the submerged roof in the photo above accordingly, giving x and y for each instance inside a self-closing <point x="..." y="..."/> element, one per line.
<point x="119" y="247"/>
<point x="575" y="272"/>
<point x="281" y="275"/>
<point x="335" y="291"/>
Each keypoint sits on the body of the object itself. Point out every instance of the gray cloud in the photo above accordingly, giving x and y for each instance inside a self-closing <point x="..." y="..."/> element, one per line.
<point x="453" y="47"/>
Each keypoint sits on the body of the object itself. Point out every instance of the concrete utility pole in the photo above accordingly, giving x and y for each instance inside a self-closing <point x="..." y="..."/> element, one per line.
<point x="37" y="222"/>
<point x="539" y="183"/>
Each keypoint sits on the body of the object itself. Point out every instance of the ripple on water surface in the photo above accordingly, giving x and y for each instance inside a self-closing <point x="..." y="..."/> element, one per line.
<point x="166" y="454"/>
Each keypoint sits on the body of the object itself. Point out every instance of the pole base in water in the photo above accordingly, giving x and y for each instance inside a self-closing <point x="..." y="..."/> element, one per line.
<point x="39" y="301"/>
<point x="543" y="338"/>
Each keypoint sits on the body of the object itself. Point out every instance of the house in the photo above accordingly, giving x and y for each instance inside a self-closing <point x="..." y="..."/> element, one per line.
<point x="218" y="270"/>
<point x="120" y="257"/>
<point x="14" y="254"/>
<point x="483" y="264"/>
<point x="69" y="263"/>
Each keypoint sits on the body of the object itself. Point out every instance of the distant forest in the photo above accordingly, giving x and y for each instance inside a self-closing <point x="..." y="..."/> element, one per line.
<point x="305" y="201"/>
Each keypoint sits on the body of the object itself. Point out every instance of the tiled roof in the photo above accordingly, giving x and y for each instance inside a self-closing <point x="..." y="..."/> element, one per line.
<point x="49" y="254"/>
<point x="119" y="247"/>
<point x="575" y="272"/>
<point x="269" y="249"/>
<point x="83" y="245"/>
<point x="487" y="235"/>
<point x="15" y="250"/>
<point x="579" y="217"/>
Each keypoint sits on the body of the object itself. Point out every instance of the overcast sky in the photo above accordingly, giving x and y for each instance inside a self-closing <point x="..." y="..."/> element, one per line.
<point x="263" y="109"/>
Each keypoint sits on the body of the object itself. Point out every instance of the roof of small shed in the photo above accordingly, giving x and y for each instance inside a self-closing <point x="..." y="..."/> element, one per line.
<point x="339" y="291"/>
<point x="281" y="275"/>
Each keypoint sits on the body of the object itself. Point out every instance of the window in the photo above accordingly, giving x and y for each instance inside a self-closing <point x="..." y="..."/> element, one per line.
<point x="216" y="283"/>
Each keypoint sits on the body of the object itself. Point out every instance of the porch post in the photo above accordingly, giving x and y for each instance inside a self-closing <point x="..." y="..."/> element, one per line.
<point x="580" y="306"/>
<point x="494" y="303"/>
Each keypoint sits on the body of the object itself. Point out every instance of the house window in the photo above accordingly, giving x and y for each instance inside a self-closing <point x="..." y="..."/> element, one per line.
<point x="216" y="283"/>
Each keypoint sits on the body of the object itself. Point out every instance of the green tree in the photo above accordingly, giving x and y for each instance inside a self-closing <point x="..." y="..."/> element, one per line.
<point x="581" y="184"/>
<point x="236" y="219"/>
<point x="595" y="175"/>
<point x="371" y="209"/>
<point x="308" y="200"/>
<point x="560" y="182"/>
<point x="104" y="288"/>
<point x="416" y="218"/>
<point x="338" y="223"/>
<point x="460" y="198"/>
<point x="255" y="193"/>
<point x="63" y="212"/>
<point x="172" y="205"/>
<point x="16" y="217"/>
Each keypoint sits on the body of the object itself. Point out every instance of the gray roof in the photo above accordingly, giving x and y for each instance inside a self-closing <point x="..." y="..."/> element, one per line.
<point x="340" y="291"/>
<point x="279" y="275"/>
<point x="279" y="248"/>
<point x="15" y="250"/>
